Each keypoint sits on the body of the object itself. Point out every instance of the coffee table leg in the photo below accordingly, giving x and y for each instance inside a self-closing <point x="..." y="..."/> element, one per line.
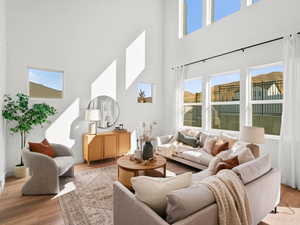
<point x="165" y="170"/>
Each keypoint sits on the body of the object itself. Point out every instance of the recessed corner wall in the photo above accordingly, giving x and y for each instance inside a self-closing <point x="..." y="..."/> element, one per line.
<point x="87" y="40"/>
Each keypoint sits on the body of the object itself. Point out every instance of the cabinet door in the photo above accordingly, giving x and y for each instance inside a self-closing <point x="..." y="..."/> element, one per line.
<point x="110" y="146"/>
<point x="94" y="148"/>
<point x="124" y="143"/>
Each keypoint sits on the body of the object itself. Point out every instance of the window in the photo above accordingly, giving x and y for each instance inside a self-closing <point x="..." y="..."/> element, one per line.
<point x="192" y="103"/>
<point x="45" y="83"/>
<point x="144" y="93"/>
<point x="225" y="100"/>
<point x="267" y="98"/>
<point x="193" y="15"/>
<point x="254" y="1"/>
<point x="224" y="8"/>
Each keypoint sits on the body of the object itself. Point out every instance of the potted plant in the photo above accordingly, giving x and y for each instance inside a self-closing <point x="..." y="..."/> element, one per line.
<point x="24" y="117"/>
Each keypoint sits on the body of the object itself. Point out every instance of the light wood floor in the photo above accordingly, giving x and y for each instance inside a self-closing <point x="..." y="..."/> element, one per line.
<point x="44" y="210"/>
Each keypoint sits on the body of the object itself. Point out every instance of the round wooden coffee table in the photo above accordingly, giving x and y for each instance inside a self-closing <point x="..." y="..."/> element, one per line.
<point x="128" y="169"/>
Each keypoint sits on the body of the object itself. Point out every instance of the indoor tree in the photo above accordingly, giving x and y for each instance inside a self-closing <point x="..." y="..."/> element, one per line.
<point x="24" y="116"/>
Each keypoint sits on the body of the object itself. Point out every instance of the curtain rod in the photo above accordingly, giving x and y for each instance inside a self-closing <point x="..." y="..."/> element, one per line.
<point x="230" y="52"/>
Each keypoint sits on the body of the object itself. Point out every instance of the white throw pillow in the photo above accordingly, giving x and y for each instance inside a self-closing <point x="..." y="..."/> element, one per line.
<point x="209" y="144"/>
<point x="245" y="156"/>
<point x="153" y="191"/>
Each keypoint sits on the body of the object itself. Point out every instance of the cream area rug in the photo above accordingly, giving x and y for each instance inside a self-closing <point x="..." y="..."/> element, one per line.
<point x="86" y="199"/>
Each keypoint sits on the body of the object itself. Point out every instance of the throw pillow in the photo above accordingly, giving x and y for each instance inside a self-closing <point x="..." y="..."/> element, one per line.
<point x="188" y="140"/>
<point x="228" y="164"/>
<point x="245" y="156"/>
<point x="209" y="144"/>
<point x="153" y="191"/>
<point x="220" y="148"/>
<point x="202" y="138"/>
<point x="43" y="148"/>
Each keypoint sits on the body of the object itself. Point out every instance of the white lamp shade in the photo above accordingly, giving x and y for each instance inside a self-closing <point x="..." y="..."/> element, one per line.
<point x="92" y="115"/>
<point x="253" y="135"/>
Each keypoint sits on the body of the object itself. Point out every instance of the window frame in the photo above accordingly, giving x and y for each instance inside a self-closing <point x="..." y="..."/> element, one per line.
<point x="210" y="103"/>
<point x="201" y="103"/>
<point x="250" y="102"/>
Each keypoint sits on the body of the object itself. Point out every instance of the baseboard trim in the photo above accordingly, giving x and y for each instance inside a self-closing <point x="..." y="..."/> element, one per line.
<point x="2" y="182"/>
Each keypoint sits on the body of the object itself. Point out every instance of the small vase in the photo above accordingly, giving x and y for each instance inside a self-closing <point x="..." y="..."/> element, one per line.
<point x="147" y="150"/>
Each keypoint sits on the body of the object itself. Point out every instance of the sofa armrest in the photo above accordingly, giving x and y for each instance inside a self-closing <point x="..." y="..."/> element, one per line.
<point x="39" y="164"/>
<point x="161" y="140"/>
<point x="61" y="150"/>
<point x="127" y="210"/>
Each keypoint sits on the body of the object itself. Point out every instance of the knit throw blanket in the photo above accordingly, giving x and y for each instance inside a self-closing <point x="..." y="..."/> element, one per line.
<point x="231" y="198"/>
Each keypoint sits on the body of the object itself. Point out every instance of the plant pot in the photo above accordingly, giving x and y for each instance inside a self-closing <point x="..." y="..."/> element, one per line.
<point x="20" y="171"/>
<point x="147" y="150"/>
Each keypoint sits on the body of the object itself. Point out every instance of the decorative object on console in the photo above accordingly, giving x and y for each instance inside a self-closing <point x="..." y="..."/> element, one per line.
<point x="254" y="136"/>
<point x="92" y="116"/>
<point x="24" y="118"/>
<point x="144" y="134"/>
<point x="109" y="111"/>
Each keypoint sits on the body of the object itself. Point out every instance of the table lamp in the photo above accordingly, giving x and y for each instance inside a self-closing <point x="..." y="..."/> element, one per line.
<point x="254" y="136"/>
<point x="92" y="116"/>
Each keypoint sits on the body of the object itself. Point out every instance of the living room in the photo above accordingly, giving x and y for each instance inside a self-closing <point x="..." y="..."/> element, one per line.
<point x="217" y="68"/>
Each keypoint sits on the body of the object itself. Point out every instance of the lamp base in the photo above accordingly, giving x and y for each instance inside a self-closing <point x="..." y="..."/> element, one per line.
<point x="254" y="149"/>
<point x="92" y="128"/>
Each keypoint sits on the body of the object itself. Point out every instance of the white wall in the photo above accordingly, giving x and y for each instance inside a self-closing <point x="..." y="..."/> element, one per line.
<point x="87" y="40"/>
<point x="2" y="88"/>
<point x="260" y="22"/>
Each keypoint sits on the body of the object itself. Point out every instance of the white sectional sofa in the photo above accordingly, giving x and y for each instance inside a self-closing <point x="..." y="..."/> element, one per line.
<point x="196" y="205"/>
<point x="170" y="148"/>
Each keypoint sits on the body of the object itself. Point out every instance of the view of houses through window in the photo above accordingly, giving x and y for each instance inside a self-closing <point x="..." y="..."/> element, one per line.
<point x="225" y="98"/>
<point x="266" y="98"/>
<point x="193" y="103"/>
<point x="224" y="90"/>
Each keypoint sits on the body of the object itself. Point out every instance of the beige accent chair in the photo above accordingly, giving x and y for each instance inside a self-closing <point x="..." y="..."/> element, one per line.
<point x="45" y="171"/>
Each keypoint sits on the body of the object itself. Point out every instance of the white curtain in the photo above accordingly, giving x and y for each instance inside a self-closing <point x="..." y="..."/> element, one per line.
<point x="289" y="146"/>
<point x="180" y="76"/>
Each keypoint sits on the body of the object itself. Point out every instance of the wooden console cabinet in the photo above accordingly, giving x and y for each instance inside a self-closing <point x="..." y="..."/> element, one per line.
<point x="105" y="145"/>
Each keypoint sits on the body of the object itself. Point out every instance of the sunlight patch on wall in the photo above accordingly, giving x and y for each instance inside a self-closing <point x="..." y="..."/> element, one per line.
<point x="106" y="83"/>
<point x="135" y="59"/>
<point x="133" y="141"/>
<point x="60" y="129"/>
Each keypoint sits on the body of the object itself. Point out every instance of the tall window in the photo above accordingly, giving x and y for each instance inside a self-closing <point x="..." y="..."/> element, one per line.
<point x="224" y="8"/>
<point x="267" y="98"/>
<point x="193" y="103"/>
<point x="254" y="1"/>
<point x="225" y="102"/>
<point x="193" y="11"/>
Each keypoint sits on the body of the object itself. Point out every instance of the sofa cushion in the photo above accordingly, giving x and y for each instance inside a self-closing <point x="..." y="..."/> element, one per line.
<point x="254" y="169"/>
<point x="209" y="144"/>
<point x="245" y="156"/>
<point x="184" y="202"/>
<point x="63" y="163"/>
<point x="197" y="177"/>
<point x="199" y="156"/>
<point x="153" y="191"/>
<point x="188" y="140"/>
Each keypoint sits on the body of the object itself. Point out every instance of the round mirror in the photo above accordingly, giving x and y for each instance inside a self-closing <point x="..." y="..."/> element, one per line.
<point x="109" y="111"/>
